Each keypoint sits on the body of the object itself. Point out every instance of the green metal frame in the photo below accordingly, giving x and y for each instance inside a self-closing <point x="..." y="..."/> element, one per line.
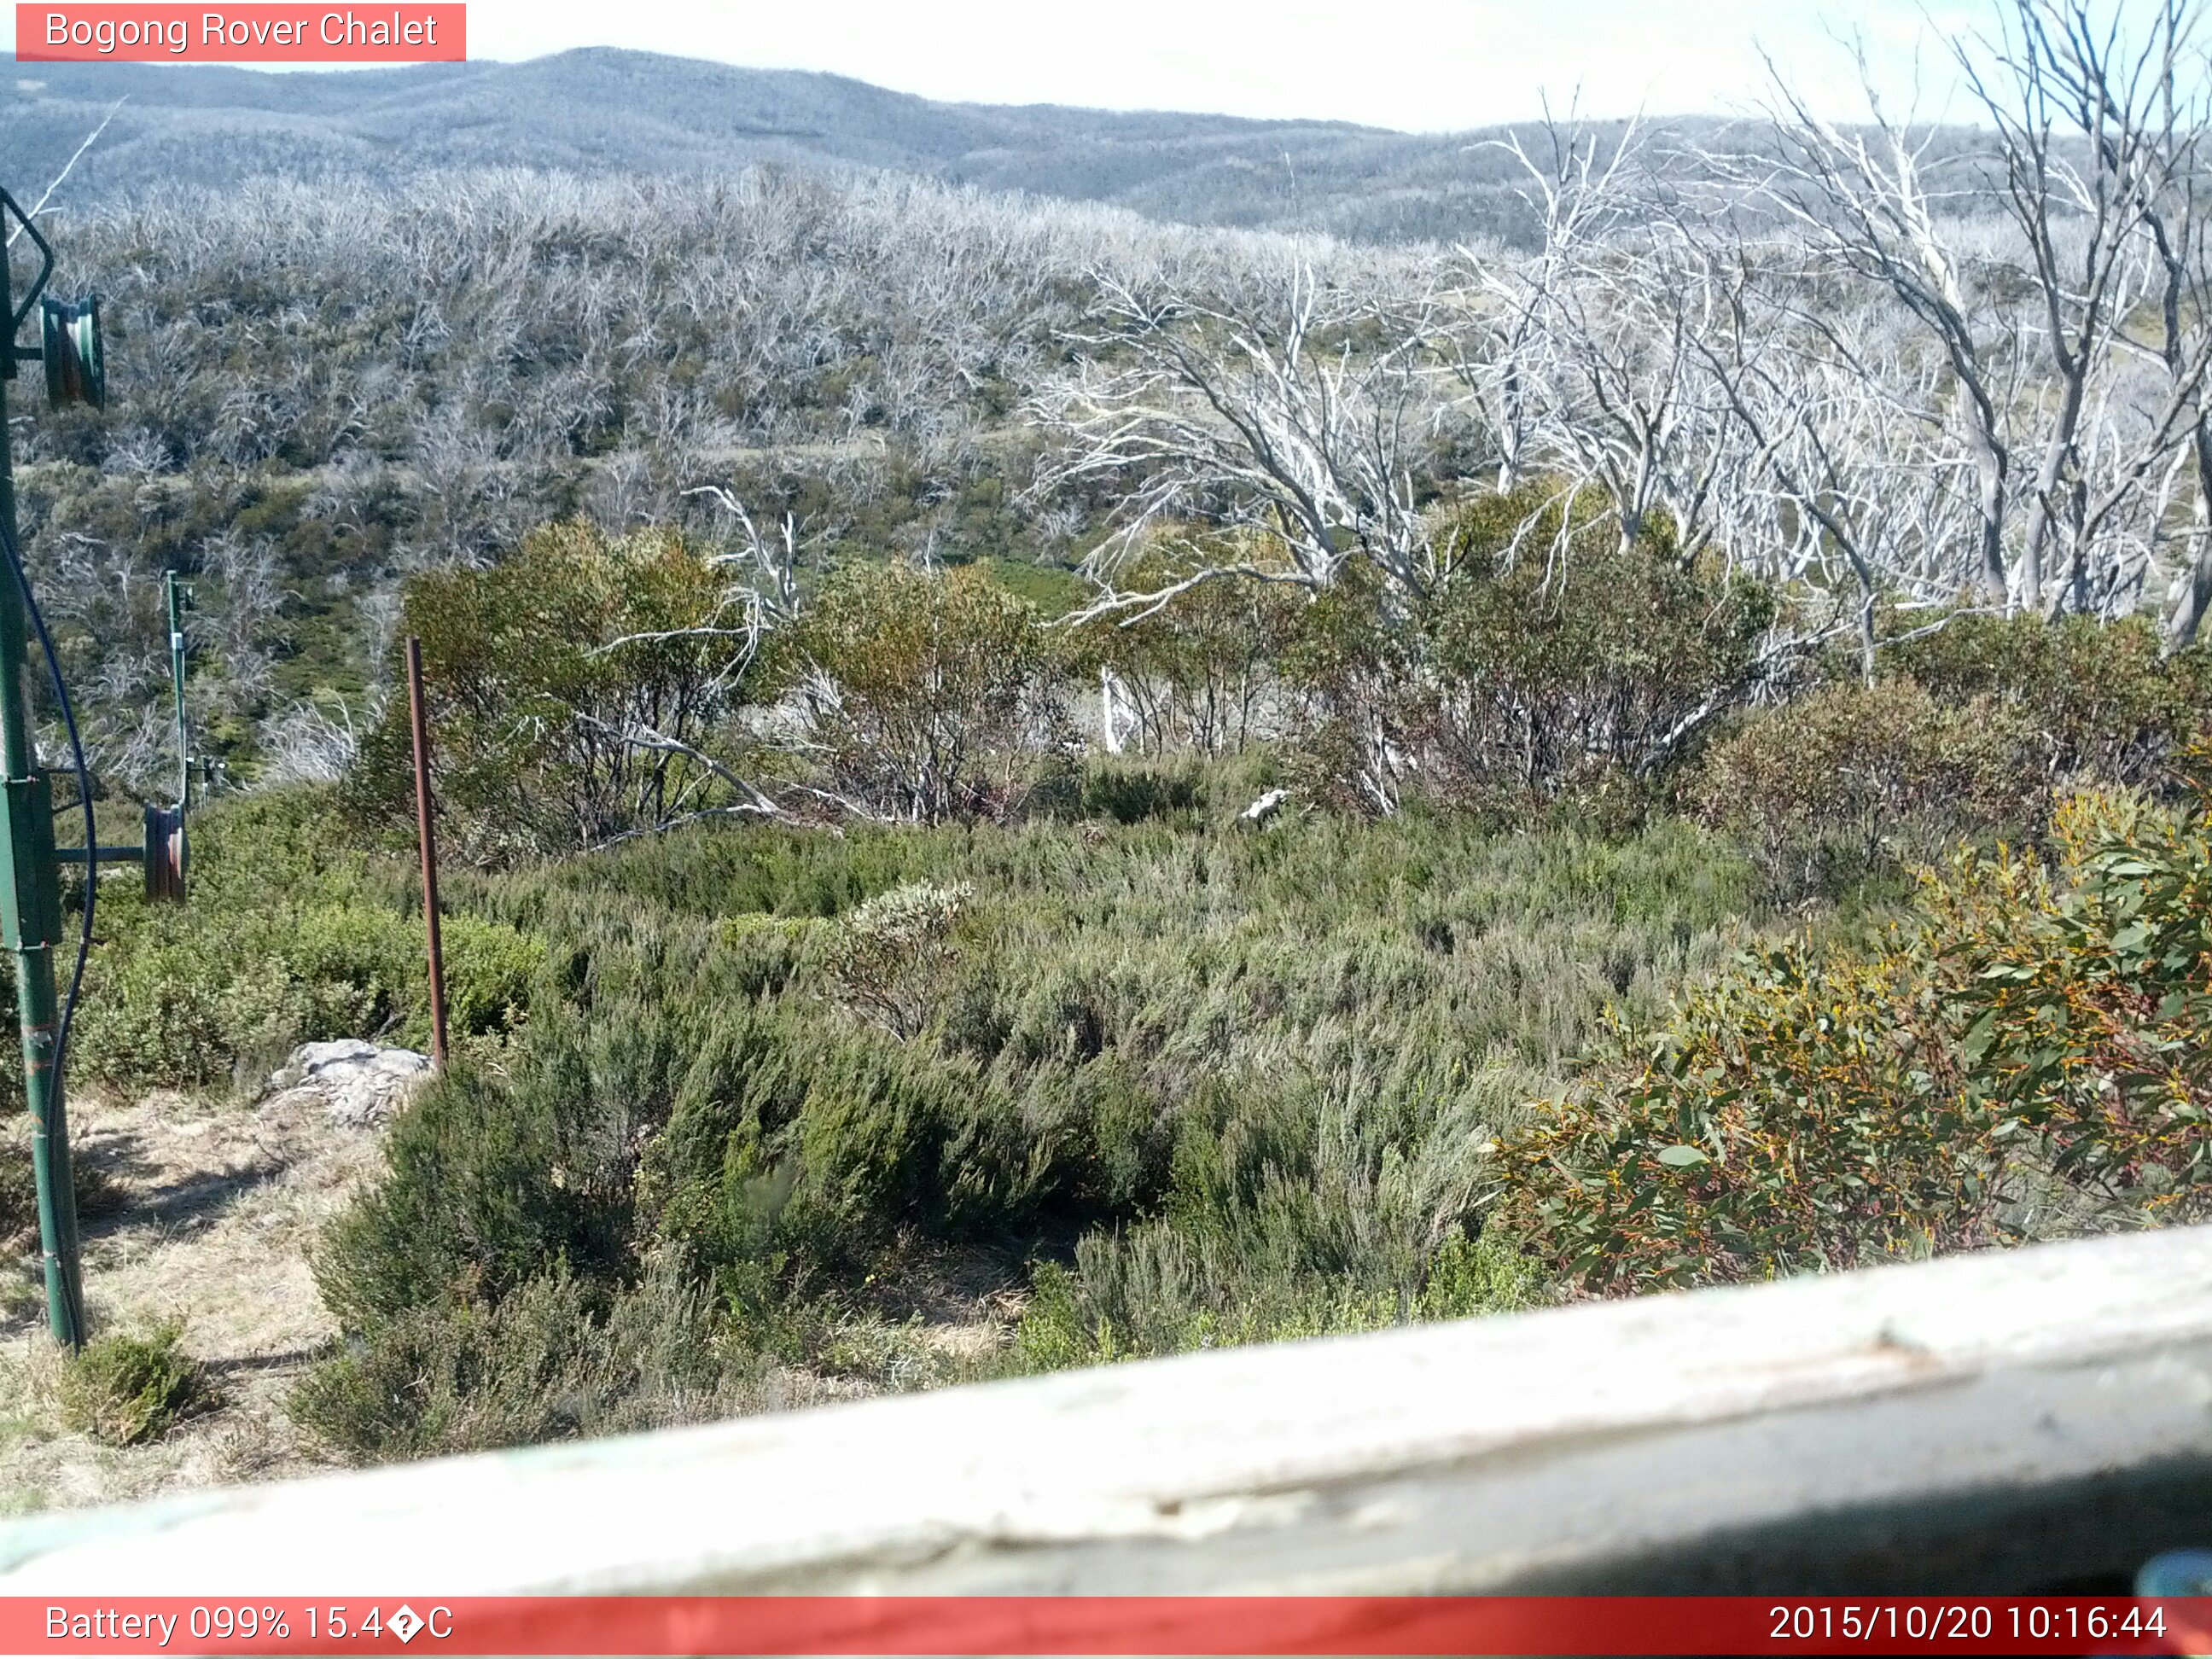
<point x="30" y="880"/>
<point x="177" y="685"/>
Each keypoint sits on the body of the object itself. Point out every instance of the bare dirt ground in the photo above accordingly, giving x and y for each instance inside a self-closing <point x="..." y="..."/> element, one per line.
<point x="216" y="1202"/>
<point x="210" y="1208"/>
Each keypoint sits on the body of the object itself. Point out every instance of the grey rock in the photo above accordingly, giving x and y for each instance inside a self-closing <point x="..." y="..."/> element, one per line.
<point x="1264" y="808"/>
<point x="359" y="1083"/>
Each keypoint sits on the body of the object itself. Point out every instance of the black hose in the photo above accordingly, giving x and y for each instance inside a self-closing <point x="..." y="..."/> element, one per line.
<point x="83" y="789"/>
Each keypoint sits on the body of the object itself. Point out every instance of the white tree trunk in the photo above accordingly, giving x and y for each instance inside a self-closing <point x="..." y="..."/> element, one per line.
<point x="1109" y="724"/>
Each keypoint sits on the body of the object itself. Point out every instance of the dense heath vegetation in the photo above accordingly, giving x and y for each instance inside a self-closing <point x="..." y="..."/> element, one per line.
<point x="734" y="1104"/>
<point x="1202" y="787"/>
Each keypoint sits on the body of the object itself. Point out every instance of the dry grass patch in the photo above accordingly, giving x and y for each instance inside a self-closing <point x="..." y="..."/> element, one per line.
<point x="208" y="1208"/>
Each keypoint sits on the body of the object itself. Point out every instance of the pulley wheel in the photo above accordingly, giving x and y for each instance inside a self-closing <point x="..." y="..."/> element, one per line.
<point x="77" y="363"/>
<point x="165" y="854"/>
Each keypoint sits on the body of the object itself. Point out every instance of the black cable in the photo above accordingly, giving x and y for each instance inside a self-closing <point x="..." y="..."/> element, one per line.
<point x="91" y="850"/>
<point x="83" y="789"/>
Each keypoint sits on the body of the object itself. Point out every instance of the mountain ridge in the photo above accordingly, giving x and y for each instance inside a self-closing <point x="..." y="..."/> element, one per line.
<point x="602" y="110"/>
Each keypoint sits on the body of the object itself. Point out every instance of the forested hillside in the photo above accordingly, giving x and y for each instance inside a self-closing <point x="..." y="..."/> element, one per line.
<point x="1156" y="785"/>
<point x="604" y="113"/>
<point x="319" y="390"/>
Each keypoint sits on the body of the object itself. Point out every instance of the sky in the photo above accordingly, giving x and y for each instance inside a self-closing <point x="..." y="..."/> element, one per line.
<point x="1422" y="65"/>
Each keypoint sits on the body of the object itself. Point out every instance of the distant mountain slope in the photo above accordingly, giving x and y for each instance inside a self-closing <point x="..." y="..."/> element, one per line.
<point x="601" y="111"/>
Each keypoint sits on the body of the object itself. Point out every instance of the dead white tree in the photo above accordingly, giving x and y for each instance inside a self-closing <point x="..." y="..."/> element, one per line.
<point x="317" y="739"/>
<point x="767" y="589"/>
<point x="1848" y="487"/>
<point x="1588" y="360"/>
<point x="1863" y="200"/>
<point x="1626" y="402"/>
<point x="2070" y="329"/>
<point x="1574" y="189"/>
<point x="681" y="778"/>
<point x="1300" y="411"/>
<point x="2076" y="102"/>
<point x="2162" y="110"/>
<point x="68" y="167"/>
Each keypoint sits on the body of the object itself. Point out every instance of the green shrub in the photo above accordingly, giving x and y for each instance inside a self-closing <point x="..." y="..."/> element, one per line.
<point x="128" y="1389"/>
<point x="552" y="1361"/>
<point x="1129" y="793"/>
<point x="790" y="1140"/>
<point x="1242" y="1086"/>
<point x="351" y="969"/>
<point x="890" y="961"/>
<point x="1157" y="1292"/>
<point x="2108" y="705"/>
<point x="166" y="1015"/>
<point x="1778" y="1126"/>
<point x="2080" y="997"/>
<point x="1196" y="674"/>
<point x="1828" y="787"/>
<point x="491" y="1183"/>
<point x="2024" y="1058"/>
<point x="1520" y="676"/>
<point x="534" y="668"/>
<point x="1292" y="1209"/>
<point x="491" y="968"/>
<point x="926" y="697"/>
<point x="1485" y="1274"/>
<point x="293" y="933"/>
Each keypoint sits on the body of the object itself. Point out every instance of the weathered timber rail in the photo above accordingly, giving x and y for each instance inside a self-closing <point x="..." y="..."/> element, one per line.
<point x="2035" y="1419"/>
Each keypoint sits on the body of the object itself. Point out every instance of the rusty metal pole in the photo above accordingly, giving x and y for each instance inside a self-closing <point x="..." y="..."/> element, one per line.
<point x="424" y="835"/>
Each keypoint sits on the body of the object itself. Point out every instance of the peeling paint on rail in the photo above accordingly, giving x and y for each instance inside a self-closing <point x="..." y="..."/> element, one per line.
<point x="1993" y="1423"/>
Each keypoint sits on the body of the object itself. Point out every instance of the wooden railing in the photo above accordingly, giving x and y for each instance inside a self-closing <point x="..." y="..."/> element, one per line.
<point x="2027" y="1420"/>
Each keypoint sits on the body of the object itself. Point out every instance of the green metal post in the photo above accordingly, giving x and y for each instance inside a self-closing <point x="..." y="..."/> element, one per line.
<point x="30" y="911"/>
<point x="177" y="680"/>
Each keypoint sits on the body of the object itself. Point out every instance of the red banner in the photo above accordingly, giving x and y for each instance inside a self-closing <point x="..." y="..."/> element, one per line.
<point x="1103" y="1624"/>
<point x="259" y="33"/>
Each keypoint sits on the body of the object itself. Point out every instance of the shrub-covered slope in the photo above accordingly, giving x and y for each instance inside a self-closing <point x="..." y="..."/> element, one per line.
<point x="1222" y="1083"/>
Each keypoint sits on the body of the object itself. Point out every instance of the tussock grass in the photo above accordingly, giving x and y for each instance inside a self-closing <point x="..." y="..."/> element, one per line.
<point x="127" y="1388"/>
